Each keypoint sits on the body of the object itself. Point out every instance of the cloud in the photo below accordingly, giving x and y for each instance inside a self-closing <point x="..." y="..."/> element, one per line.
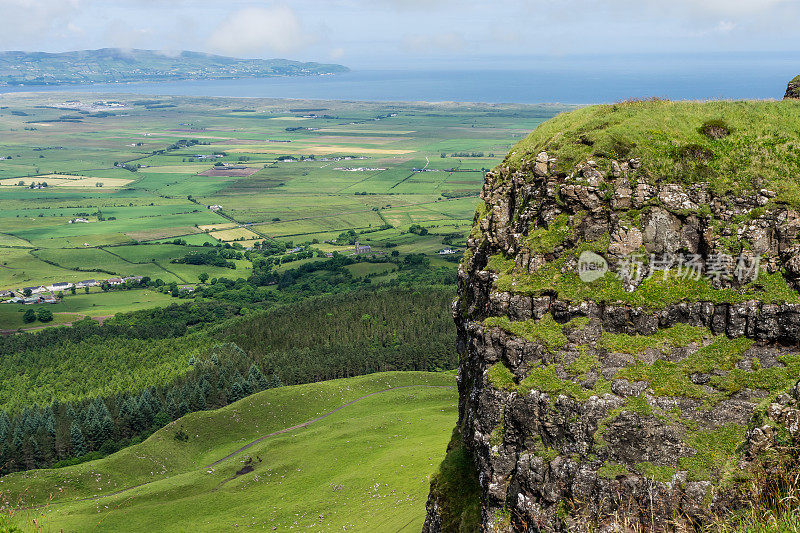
<point x="724" y="26"/>
<point x="438" y="42"/>
<point x="337" y="53"/>
<point x="260" y="30"/>
<point x="26" y="21"/>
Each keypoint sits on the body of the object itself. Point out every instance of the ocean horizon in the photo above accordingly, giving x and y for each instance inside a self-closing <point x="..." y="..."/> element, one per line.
<point x="588" y="81"/>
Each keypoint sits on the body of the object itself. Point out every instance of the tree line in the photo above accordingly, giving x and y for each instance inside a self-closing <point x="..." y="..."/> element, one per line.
<point x="92" y="389"/>
<point x="68" y="433"/>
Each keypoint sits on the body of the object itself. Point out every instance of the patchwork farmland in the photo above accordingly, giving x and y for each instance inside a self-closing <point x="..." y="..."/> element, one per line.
<point x="128" y="191"/>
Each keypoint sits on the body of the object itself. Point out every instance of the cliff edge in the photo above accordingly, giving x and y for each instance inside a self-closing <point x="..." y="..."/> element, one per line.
<point x="793" y="89"/>
<point x="628" y="322"/>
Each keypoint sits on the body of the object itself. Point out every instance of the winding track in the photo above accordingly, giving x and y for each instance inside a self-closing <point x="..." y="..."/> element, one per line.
<point x="243" y="448"/>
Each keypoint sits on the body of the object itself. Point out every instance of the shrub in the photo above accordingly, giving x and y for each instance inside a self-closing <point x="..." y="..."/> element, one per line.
<point x="715" y="129"/>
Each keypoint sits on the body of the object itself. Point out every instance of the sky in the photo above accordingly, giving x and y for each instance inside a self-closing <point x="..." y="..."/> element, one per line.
<point x="401" y="34"/>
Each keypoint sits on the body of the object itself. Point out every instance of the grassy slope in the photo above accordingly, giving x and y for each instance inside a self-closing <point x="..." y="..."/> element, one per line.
<point x="760" y="151"/>
<point x="365" y="467"/>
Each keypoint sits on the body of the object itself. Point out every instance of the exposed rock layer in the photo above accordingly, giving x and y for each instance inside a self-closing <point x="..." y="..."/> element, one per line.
<point x="583" y="410"/>
<point x="793" y="89"/>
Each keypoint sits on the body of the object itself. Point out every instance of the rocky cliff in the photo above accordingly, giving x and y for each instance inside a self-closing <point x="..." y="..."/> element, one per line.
<point x="628" y="322"/>
<point x="793" y="89"/>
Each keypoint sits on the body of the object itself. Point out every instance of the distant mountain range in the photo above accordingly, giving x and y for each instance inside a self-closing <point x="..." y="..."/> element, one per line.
<point x="109" y="65"/>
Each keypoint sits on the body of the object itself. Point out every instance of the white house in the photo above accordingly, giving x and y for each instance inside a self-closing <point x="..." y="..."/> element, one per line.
<point x="86" y="283"/>
<point x="61" y="286"/>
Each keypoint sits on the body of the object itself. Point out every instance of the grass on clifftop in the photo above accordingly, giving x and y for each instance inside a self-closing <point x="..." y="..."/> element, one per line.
<point x="734" y="146"/>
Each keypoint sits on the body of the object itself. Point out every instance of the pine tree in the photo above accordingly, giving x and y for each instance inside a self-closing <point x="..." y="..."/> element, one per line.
<point x="275" y="381"/>
<point x="93" y="432"/>
<point x="16" y="448"/>
<point x="30" y="453"/>
<point x="198" y="399"/>
<point x="145" y="411"/>
<point x="236" y="392"/>
<point x="78" y="442"/>
<point x="172" y="409"/>
<point x="257" y="380"/>
<point x="125" y="417"/>
<point x="5" y="425"/>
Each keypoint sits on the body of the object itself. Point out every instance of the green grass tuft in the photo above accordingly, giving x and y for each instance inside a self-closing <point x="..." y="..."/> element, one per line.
<point x="544" y="240"/>
<point x="546" y="331"/>
<point x="500" y="376"/>
<point x="663" y="340"/>
<point x="611" y="470"/>
<point x="715" y="448"/>
<point x="654" y="293"/>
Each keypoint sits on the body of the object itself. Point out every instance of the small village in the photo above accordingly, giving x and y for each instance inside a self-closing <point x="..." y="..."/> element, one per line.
<point x="51" y="294"/>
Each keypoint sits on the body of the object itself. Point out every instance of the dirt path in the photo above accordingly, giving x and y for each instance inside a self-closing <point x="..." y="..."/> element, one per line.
<point x="243" y="448"/>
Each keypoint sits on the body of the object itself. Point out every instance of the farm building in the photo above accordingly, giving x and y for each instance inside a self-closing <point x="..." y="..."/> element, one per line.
<point x="34" y="290"/>
<point x="86" y="283"/>
<point x="61" y="286"/>
<point x="114" y="281"/>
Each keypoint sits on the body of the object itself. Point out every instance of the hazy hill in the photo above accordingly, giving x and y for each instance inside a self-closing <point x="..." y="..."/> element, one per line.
<point x="117" y="65"/>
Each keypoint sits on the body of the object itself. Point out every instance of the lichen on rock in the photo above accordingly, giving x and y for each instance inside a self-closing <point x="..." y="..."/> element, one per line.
<point x="646" y="399"/>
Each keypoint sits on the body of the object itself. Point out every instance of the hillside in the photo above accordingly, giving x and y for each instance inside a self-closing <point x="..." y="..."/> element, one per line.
<point x="111" y="65"/>
<point x="628" y="325"/>
<point x="363" y="467"/>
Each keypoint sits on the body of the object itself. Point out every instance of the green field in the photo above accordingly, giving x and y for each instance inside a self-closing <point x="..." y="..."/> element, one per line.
<point x="400" y="178"/>
<point x="364" y="467"/>
<point x="74" y="307"/>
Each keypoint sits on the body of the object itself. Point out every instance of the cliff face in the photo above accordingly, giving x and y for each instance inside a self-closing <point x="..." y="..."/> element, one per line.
<point x="602" y="386"/>
<point x="793" y="89"/>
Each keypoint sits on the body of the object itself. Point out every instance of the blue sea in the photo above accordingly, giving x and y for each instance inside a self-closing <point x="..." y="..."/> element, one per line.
<point x="571" y="81"/>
